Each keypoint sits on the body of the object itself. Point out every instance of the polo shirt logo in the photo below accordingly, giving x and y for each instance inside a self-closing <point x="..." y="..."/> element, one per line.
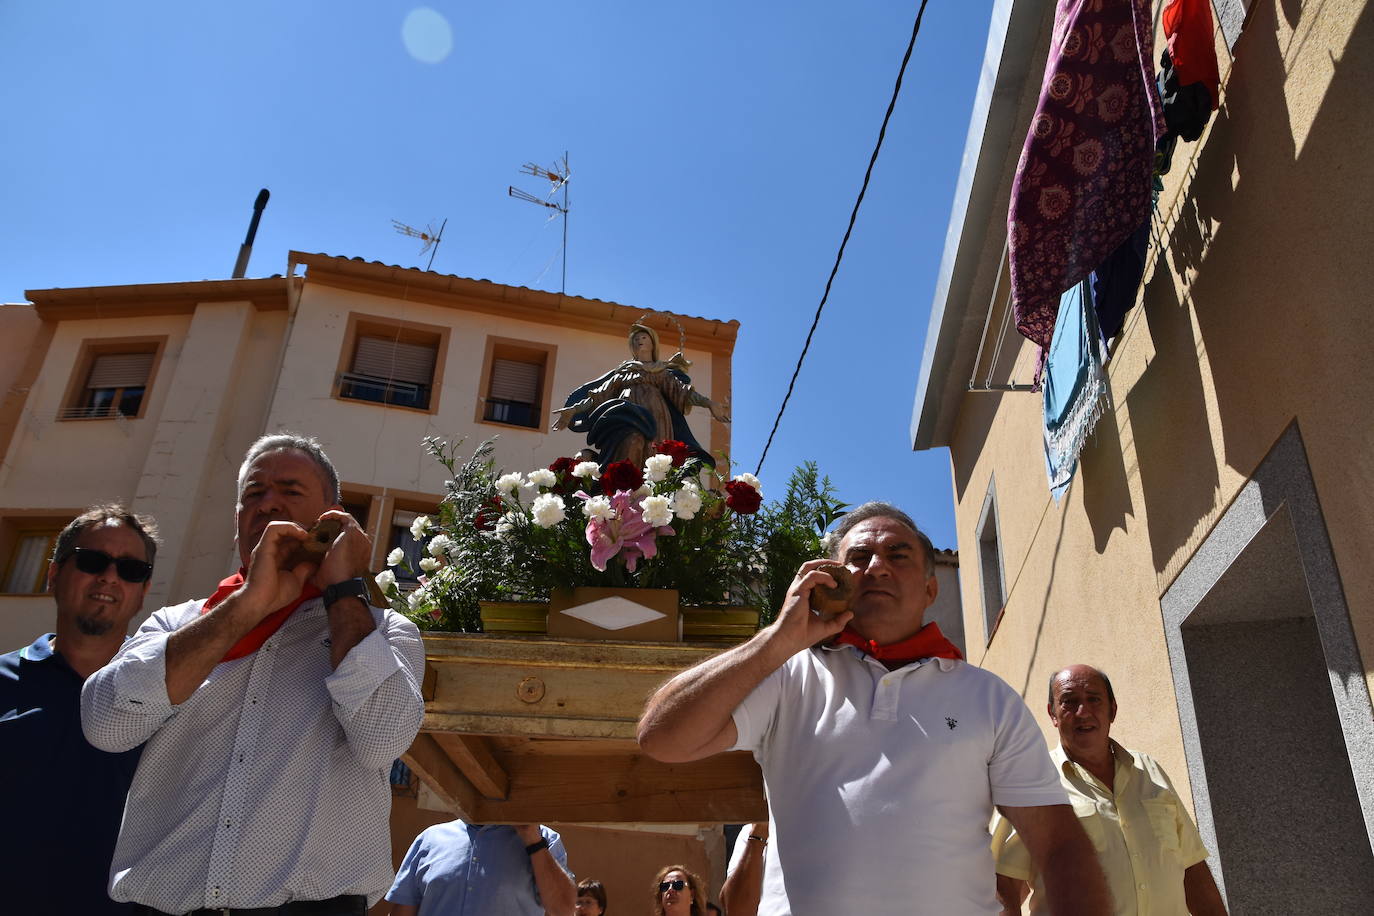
<point x="951" y="722"/>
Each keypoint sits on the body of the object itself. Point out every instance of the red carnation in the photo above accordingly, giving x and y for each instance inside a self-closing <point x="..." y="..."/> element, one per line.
<point x="621" y="475"/>
<point x="743" y="498"/>
<point x="566" y="482"/>
<point x="487" y="516"/>
<point x="678" y="449"/>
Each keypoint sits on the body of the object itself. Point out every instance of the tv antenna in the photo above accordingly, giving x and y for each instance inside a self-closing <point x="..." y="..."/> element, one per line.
<point x="430" y="238"/>
<point x="557" y="176"/>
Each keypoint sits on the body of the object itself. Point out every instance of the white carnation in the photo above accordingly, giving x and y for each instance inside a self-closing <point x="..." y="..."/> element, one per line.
<point x="386" y="580"/>
<point x="644" y="490"/>
<point x="543" y="478"/>
<point x="429" y="564"/>
<point x="396" y="557"/>
<point x="687" y="502"/>
<point x="656" y="467"/>
<point x="419" y="527"/>
<point x="507" y="484"/>
<point x="415" y="598"/>
<point x="586" y="469"/>
<point x="752" y="481"/>
<point x="439" y="546"/>
<point x="657" y="510"/>
<point x="548" y="510"/>
<point x="505" y="525"/>
<point x="598" y="507"/>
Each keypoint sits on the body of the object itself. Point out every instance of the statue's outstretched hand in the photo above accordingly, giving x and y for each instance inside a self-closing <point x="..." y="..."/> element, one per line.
<point x="721" y="410"/>
<point x="560" y="417"/>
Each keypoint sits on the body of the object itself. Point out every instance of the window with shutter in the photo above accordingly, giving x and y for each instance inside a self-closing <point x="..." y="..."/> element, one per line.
<point x="390" y="371"/>
<point x="112" y="379"/>
<point x="516" y="373"/>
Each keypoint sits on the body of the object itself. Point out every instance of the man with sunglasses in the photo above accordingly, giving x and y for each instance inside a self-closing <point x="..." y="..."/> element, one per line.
<point x="883" y="752"/>
<point x="272" y="713"/>
<point x="65" y="797"/>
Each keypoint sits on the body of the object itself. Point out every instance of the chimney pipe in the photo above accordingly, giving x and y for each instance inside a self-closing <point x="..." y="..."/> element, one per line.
<point x="246" y="249"/>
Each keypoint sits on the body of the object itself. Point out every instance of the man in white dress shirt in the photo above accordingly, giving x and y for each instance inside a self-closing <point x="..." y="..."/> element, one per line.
<point x="272" y="713"/>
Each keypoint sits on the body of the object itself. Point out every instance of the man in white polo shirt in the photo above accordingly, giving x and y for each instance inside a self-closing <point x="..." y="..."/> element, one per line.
<point x="883" y="752"/>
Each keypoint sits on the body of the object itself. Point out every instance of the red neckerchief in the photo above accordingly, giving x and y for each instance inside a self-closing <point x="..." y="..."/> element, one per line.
<point x="252" y="640"/>
<point x="927" y="642"/>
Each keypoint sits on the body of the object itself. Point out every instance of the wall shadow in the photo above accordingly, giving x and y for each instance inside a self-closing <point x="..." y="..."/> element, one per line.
<point x="1292" y="249"/>
<point x="1173" y="441"/>
<point x="1102" y="474"/>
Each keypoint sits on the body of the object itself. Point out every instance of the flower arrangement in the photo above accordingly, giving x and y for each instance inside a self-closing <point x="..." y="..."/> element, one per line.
<point x="514" y="537"/>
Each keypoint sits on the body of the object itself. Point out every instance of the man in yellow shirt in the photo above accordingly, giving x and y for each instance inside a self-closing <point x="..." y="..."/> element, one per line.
<point x="1148" y="845"/>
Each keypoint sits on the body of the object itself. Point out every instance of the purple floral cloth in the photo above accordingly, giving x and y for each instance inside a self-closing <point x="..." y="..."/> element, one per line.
<point x="1083" y="183"/>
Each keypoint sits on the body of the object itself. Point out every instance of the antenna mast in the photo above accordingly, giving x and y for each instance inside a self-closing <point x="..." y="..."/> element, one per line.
<point x="558" y="177"/>
<point x="430" y="238"/>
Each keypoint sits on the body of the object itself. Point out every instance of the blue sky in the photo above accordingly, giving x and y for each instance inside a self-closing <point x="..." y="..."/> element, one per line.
<point x="716" y="151"/>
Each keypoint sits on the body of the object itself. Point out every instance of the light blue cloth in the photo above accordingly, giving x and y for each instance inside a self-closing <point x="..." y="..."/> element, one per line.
<point x="1075" y="387"/>
<point x="461" y="869"/>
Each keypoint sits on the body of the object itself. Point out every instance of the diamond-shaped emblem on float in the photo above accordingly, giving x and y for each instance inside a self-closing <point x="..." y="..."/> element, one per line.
<point x="613" y="613"/>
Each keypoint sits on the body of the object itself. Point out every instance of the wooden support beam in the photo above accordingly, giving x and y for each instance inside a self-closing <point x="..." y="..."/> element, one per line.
<point x="473" y="757"/>
<point x="544" y="686"/>
<point x="727" y="788"/>
<point x="428" y="761"/>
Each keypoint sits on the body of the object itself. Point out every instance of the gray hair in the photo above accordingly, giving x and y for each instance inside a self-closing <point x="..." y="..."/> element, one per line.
<point x="307" y="445"/>
<point x="877" y="509"/>
<point x="95" y="516"/>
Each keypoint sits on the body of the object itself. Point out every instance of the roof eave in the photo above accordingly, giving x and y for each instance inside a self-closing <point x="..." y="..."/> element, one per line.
<point x="1014" y="38"/>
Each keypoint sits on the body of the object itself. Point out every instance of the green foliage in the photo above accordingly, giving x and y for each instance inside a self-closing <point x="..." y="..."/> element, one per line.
<point x="792" y="531"/>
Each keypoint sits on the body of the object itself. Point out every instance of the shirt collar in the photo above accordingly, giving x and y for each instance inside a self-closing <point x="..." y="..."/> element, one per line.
<point x="1121" y="757"/>
<point x="944" y="664"/>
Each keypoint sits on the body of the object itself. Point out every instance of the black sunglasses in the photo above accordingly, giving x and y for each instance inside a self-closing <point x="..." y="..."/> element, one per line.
<point x="95" y="562"/>
<point x="677" y="885"/>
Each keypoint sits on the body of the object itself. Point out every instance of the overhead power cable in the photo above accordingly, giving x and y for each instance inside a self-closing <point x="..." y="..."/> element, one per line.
<point x="839" y="255"/>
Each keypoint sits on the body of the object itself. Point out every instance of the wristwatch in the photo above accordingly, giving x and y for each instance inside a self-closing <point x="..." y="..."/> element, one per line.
<point x="348" y="588"/>
<point x="535" y="847"/>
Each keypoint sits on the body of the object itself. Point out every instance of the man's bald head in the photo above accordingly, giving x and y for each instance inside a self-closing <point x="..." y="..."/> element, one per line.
<point x="1086" y="670"/>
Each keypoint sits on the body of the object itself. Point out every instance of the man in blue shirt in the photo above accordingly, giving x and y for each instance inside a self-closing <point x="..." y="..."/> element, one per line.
<point x="65" y="798"/>
<point x="461" y="869"/>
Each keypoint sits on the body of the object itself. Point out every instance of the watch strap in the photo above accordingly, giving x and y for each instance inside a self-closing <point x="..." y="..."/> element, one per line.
<point x="535" y="847"/>
<point x="348" y="588"/>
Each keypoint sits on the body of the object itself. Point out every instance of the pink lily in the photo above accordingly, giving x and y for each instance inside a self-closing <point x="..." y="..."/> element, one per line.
<point x="627" y="534"/>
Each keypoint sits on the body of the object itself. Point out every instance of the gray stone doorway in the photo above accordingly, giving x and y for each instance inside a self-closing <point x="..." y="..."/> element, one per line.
<point x="1276" y="715"/>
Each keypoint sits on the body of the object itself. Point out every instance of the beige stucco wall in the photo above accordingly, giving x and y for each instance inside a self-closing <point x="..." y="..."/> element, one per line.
<point x="55" y="462"/>
<point x="205" y="405"/>
<point x="1251" y="319"/>
<point x="379" y="445"/>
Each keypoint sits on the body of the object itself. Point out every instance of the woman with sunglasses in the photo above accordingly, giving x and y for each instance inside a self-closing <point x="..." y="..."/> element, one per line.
<point x="678" y="892"/>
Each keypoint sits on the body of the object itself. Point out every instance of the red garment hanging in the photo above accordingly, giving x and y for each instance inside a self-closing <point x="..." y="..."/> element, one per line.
<point x="1188" y="31"/>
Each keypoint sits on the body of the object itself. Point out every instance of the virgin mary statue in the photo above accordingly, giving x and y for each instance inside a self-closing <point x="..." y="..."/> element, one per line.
<point x="639" y="403"/>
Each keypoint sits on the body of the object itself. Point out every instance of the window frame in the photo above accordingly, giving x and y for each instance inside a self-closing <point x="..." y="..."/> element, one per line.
<point x="382" y="505"/>
<point x="517" y="350"/>
<point x="17" y="524"/>
<point x="403" y="331"/>
<point x="987" y="535"/>
<point x="94" y="347"/>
